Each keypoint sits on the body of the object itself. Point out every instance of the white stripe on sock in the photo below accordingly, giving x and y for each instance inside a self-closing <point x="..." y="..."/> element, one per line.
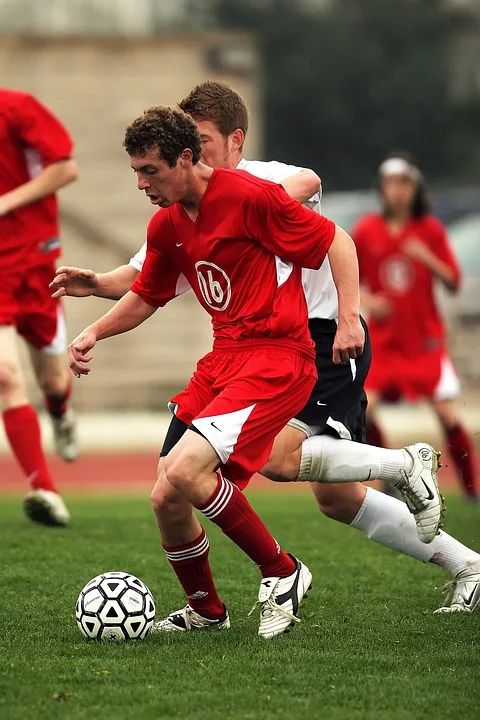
<point x="195" y="551"/>
<point x="225" y="488"/>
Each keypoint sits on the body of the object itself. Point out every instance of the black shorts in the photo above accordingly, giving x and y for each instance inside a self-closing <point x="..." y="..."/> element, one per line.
<point x="338" y="403"/>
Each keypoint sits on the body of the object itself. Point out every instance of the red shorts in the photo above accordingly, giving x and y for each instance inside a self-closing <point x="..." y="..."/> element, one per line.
<point x="240" y="399"/>
<point x="429" y="375"/>
<point x="26" y="302"/>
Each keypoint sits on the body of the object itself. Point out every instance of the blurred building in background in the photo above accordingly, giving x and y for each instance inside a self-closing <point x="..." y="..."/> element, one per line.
<point x="331" y="84"/>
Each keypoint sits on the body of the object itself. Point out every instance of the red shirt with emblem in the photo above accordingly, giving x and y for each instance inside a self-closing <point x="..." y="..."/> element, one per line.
<point x="243" y="259"/>
<point x="30" y="139"/>
<point x="414" y="325"/>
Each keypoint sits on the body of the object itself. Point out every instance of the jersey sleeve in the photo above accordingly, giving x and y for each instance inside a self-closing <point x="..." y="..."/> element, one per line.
<point x="139" y="258"/>
<point x="159" y="277"/>
<point x="277" y="172"/>
<point x="288" y="229"/>
<point x="38" y="128"/>
<point x="444" y="251"/>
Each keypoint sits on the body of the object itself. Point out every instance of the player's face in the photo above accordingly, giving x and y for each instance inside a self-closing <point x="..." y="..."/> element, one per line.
<point x="162" y="184"/>
<point x="217" y="150"/>
<point x="398" y="193"/>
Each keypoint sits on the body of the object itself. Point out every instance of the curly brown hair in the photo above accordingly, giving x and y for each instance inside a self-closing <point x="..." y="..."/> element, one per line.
<point x="172" y="131"/>
<point x="218" y="103"/>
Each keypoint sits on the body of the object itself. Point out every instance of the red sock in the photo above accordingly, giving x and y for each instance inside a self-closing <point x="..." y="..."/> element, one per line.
<point x="375" y="435"/>
<point x="191" y="566"/>
<point x="462" y="451"/>
<point x="57" y="404"/>
<point x="23" y="432"/>
<point x="228" y="508"/>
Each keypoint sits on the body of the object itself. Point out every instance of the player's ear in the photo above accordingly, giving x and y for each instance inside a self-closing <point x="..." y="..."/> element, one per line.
<point x="236" y="139"/>
<point x="185" y="158"/>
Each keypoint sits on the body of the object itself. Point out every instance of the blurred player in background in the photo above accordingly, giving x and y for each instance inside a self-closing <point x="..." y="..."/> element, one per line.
<point x="35" y="162"/>
<point x="222" y="119"/>
<point x="403" y="252"/>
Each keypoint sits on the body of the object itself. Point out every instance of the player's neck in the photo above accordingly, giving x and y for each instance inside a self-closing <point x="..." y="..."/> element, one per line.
<point x="197" y="186"/>
<point x="396" y="222"/>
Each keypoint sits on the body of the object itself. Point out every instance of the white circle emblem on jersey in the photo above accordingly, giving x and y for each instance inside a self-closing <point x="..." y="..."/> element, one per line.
<point x="397" y="274"/>
<point x="214" y="285"/>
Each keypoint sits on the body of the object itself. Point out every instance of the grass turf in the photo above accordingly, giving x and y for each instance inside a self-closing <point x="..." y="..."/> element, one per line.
<point x="368" y="646"/>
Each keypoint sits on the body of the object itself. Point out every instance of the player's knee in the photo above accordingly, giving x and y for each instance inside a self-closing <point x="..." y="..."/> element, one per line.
<point x="53" y="383"/>
<point x="337" y="501"/>
<point x="282" y="467"/>
<point x="180" y="471"/>
<point x="10" y="378"/>
<point x="166" y="501"/>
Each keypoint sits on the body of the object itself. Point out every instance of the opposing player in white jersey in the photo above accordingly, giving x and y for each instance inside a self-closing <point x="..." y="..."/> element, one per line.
<point x="309" y="448"/>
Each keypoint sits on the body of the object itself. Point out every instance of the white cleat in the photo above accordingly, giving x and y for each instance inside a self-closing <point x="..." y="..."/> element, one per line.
<point x="279" y="599"/>
<point x="188" y="619"/>
<point x="65" y="433"/>
<point x="463" y="593"/>
<point x="419" y="489"/>
<point x="46" y="507"/>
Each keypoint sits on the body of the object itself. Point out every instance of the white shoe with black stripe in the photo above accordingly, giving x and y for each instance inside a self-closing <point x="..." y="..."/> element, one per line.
<point x="188" y="619"/>
<point x="279" y="600"/>
<point x="463" y="593"/>
<point x="419" y="489"/>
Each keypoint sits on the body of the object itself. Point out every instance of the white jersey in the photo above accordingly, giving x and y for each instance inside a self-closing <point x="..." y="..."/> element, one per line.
<point x="320" y="290"/>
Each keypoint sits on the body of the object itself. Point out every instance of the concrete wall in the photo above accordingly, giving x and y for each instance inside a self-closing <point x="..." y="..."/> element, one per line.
<point x="97" y="86"/>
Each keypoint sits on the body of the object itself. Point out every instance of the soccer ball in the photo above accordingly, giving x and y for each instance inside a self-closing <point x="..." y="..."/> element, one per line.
<point x="115" y="606"/>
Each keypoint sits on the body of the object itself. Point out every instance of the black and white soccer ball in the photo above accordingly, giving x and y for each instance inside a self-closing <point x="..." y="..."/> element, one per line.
<point x="115" y="606"/>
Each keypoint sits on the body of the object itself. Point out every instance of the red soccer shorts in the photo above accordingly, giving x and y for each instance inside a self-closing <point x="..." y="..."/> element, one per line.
<point x="430" y="375"/>
<point x="240" y="399"/>
<point x="26" y="303"/>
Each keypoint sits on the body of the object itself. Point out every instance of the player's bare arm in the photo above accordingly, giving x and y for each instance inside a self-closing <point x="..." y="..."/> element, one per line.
<point x="80" y="282"/>
<point x="303" y="185"/>
<point x="47" y="182"/>
<point x="350" y="337"/>
<point x="417" y="250"/>
<point x="128" y="313"/>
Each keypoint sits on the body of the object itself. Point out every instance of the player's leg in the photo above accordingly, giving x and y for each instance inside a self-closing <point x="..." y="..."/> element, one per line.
<point x="375" y="434"/>
<point x="42" y="324"/>
<point x="187" y="549"/>
<point x="460" y="445"/>
<point x="238" y="428"/>
<point x="42" y="504"/>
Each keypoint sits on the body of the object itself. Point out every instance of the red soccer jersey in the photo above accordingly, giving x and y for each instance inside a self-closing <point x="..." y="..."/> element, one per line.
<point x="243" y="258"/>
<point x="415" y="324"/>
<point x="30" y="138"/>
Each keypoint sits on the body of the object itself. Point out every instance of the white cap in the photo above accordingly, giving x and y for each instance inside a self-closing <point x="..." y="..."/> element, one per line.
<point x="399" y="166"/>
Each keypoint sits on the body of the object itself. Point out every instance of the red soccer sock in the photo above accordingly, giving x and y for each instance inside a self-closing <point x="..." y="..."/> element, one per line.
<point x="57" y="404"/>
<point x="375" y="435"/>
<point x="462" y="451"/>
<point x="191" y="566"/>
<point x="23" y="432"/>
<point x="228" y="508"/>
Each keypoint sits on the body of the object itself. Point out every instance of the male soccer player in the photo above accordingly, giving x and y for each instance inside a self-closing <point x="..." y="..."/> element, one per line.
<point x="35" y="162"/>
<point x="404" y="251"/>
<point x="222" y="119"/>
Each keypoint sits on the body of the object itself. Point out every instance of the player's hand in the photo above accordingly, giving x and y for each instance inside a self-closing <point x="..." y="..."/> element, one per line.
<point x="379" y="307"/>
<point x="79" y="352"/>
<point x="74" y="281"/>
<point x="415" y="249"/>
<point x="349" y="341"/>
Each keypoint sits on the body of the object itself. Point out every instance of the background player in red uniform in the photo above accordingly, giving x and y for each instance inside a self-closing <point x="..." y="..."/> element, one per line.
<point x="35" y="161"/>
<point x="403" y="252"/>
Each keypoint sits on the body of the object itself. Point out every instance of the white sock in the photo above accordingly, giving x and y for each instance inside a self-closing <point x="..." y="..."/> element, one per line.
<point x="328" y="459"/>
<point x="389" y="522"/>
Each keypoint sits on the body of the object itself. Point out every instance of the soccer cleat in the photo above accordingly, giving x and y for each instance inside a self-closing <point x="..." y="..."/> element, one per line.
<point x="279" y="599"/>
<point x="419" y="489"/>
<point x="463" y="593"/>
<point x="65" y="432"/>
<point x="189" y="619"/>
<point x="46" y="507"/>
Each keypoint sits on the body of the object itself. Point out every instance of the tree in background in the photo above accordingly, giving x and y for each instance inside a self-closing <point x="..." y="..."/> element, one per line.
<point x="349" y="81"/>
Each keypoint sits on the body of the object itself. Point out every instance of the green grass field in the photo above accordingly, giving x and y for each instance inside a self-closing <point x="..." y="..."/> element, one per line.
<point x="368" y="646"/>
